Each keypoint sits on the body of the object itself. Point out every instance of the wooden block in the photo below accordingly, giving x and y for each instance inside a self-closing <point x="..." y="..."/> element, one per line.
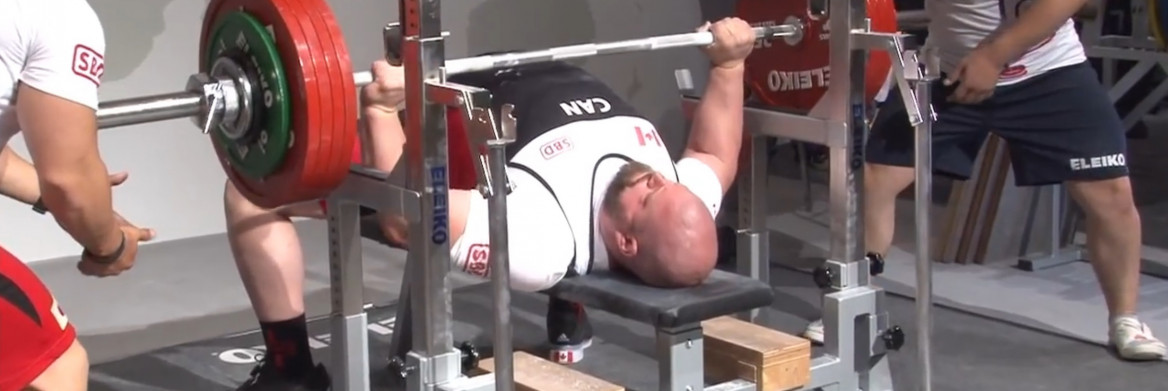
<point x="773" y="360"/>
<point x="536" y="374"/>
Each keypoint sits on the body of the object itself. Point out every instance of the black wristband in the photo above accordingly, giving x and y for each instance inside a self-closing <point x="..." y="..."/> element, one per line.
<point x="39" y="206"/>
<point x="107" y="259"/>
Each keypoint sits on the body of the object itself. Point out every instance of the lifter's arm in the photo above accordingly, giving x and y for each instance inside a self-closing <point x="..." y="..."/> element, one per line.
<point x="715" y="136"/>
<point x="1038" y="22"/>
<point x="716" y="133"/>
<point x="385" y="142"/>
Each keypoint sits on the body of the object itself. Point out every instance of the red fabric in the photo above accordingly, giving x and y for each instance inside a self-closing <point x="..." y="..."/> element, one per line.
<point x="462" y="170"/>
<point x="28" y="344"/>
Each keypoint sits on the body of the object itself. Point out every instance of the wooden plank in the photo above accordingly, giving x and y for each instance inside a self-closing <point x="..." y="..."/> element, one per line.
<point x="990" y="152"/>
<point x="536" y="374"/>
<point x="773" y="360"/>
<point x="997" y="185"/>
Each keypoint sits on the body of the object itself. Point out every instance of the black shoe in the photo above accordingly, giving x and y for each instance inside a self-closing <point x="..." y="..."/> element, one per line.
<point x="568" y="331"/>
<point x="265" y="377"/>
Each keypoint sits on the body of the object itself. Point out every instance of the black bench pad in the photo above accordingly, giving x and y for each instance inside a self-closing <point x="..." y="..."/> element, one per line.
<point x="723" y="293"/>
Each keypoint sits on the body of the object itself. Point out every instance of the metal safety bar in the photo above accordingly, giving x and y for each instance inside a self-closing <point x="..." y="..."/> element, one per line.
<point x="926" y="73"/>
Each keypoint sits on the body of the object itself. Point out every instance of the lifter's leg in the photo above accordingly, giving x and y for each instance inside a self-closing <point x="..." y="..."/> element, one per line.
<point x="1113" y="245"/>
<point x="267" y="252"/>
<point x="70" y="372"/>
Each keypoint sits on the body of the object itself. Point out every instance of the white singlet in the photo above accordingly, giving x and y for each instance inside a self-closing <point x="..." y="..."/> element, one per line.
<point x="956" y="27"/>
<point x="560" y="178"/>
<point x="55" y="46"/>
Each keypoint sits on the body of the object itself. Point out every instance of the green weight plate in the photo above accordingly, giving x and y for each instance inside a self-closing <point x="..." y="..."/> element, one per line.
<point x="246" y="40"/>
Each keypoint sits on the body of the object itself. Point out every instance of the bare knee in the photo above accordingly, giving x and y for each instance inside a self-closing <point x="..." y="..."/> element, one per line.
<point x="236" y="205"/>
<point x="239" y="209"/>
<point x="1104" y="199"/>
<point x="70" y="372"/>
<point x="886" y="181"/>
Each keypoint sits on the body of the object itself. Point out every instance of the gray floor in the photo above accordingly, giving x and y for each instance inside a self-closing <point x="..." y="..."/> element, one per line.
<point x="971" y="352"/>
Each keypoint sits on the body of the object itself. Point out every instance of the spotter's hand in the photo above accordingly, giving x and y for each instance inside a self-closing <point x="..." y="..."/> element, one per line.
<point x="976" y="77"/>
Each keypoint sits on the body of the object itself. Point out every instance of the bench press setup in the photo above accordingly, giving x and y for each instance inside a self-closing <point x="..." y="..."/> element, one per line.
<point x="275" y="93"/>
<point x="683" y="319"/>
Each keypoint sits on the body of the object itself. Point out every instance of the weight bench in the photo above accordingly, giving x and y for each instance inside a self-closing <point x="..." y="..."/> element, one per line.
<point x="676" y="314"/>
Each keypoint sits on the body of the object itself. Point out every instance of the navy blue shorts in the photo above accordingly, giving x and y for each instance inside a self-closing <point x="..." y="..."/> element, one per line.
<point x="1058" y="126"/>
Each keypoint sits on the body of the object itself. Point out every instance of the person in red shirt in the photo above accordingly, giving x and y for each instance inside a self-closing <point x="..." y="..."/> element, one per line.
<point x="51" y="63"/>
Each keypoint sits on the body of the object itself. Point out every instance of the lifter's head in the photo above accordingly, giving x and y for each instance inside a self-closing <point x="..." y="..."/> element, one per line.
<point x="658" y="229"/>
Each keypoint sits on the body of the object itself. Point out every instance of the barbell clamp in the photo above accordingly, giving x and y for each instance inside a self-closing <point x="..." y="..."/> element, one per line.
<point x="210" y="111"/>
<point x="219" y="105"/>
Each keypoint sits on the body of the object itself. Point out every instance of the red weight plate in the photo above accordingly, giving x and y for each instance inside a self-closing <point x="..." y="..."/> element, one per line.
<point x="795" y="76"/>
<point x="329" y="148"/>
<point x="301" y="177"/>
<point x="344" y="89"/>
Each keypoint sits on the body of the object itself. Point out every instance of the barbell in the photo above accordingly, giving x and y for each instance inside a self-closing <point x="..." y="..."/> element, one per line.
<point x="276" y="88"/>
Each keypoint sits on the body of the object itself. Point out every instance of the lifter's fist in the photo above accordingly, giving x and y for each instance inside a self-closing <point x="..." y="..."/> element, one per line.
<point x="386" y="93"/>
<point x="733" y="41"/>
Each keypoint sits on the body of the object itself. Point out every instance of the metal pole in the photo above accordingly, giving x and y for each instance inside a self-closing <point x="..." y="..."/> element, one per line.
<point x="923" y="203"/>
<point x="146" y="109"/>
<point x="500" y="264"/>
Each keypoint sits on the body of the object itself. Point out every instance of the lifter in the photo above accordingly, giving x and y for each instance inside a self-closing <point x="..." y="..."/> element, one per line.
<point x="609" y="196"/>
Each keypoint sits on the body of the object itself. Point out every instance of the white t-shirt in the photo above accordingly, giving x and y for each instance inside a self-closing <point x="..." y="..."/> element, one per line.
<point x="560" y="179"/>
<point x="956" y="27"/>
<point x="55" y="46"/>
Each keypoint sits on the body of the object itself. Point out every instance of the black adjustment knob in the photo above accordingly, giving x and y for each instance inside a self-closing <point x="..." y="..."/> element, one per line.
<point x="893" y="338"/>
<point x="397" y="367"/>
<point x="875" y="264"/>
<point x="822" y="276"/>
<point x="470" y="355"/>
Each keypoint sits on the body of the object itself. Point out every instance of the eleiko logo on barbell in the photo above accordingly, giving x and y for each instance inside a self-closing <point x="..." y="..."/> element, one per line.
<point x="252" y="355"/>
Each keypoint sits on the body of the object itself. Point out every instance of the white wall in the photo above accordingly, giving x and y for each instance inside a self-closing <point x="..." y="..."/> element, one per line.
<point x="176" y="185"/>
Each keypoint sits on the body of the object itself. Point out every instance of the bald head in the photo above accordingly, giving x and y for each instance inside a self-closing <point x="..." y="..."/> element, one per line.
<point x="657" y="229"/>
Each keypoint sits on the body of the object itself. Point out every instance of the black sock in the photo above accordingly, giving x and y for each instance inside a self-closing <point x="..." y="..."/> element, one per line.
<point x="287" y="346"/>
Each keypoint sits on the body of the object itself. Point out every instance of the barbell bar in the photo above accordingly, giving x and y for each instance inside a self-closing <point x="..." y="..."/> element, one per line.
<point x="193" y="102"/>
